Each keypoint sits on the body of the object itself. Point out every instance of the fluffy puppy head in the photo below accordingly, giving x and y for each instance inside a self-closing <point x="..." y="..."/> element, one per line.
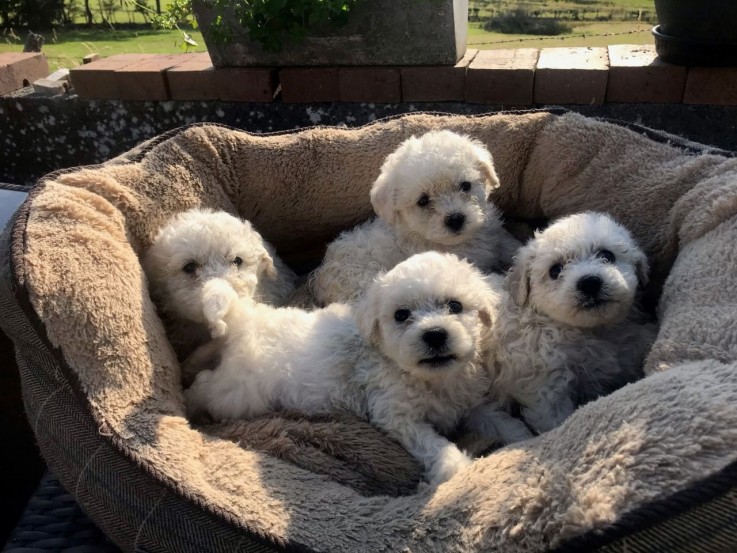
<point x="431" y="314"/>
<point x="435" y="187"/>
<point x="194" y="248"/>
<point x="583" y="270"/>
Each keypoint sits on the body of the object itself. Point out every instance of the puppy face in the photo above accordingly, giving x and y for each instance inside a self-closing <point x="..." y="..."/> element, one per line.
<point x="583" y="270"/>
<point x="430" y="314"/>
<point x="197" y="246"/>
<point x="436" y="186"/>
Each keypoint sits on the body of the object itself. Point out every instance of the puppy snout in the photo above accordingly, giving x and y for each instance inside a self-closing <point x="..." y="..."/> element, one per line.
<point x="436" y="337"/>
<point x="455" y="221"/>
<point x="589" y="285"/>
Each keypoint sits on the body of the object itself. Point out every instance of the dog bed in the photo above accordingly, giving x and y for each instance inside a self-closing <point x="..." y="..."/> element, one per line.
<point x="101" y="382"/>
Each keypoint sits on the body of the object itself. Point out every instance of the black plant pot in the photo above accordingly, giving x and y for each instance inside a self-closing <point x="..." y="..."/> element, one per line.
<point x="697" y="32"/>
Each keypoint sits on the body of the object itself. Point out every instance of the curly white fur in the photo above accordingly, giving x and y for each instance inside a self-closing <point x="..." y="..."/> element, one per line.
<point x="198" y="262"/>
<point x="408" y="358"/>
<point x="566" y="331"/>
<point x="432" y="194"/>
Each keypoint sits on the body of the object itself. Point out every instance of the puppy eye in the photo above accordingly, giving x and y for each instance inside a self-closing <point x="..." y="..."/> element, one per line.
<point x="465" y="186"/>
<point x="190" y="267"/>
<point x="424" y="200"/>
<point x="555" y="270"/>
<point x="401" y="315"/>
<point x="455" y="306"/>
<point x="606" y="255"/>
<point x="237" y="262"/>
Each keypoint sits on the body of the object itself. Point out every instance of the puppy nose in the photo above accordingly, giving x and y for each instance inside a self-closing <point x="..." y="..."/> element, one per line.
<point x="435" y="337"/>
<point x="455" y="221"/>
<point x="589" y="285"/>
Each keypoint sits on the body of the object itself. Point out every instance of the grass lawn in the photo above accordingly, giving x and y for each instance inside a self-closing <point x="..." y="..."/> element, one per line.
<point x="67" y="48"/>
<point x="613" y="33"/>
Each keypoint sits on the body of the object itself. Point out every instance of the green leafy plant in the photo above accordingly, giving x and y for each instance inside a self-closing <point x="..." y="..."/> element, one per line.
<point x="269" y="22"/>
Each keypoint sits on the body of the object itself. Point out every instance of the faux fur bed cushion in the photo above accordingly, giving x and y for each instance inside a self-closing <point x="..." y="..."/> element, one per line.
<point x="78" y="262"/>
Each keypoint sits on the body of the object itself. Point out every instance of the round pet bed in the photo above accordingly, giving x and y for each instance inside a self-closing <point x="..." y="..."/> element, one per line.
<point x="101" y="382"/>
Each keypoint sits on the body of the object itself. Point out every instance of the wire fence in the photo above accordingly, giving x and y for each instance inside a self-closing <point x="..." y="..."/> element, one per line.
<point x="558" y="37"/>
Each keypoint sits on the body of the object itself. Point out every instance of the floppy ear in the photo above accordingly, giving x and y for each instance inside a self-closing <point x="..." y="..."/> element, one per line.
<point x="486" y="164"/>
<point x="518" y="277"/>
<point x="367" y="318"/>
<point x="266" y="264"/>
<point x="642" y="269"/>
<point x="491" y="295"/>
<point x="382" y="198"/>
<point x="485" y="317"/>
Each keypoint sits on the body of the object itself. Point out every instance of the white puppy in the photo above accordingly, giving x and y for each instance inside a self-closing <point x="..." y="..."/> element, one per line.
<point x="567" y="332"/>
<point x="432" y="194"/>
<point x="408" y="358"/>
<point x="196" y="247"/>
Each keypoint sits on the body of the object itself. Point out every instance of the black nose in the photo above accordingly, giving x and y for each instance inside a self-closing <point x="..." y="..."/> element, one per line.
<point x="455" y="221"/>
<point x="435" y="337"/>
<point x="589" y="285"/>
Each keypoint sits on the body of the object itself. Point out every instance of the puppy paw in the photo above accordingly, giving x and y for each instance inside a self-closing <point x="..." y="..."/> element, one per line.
<point x="218" y="328"/>
<point x="217" y="298"/>
<point x="450" y="461"/>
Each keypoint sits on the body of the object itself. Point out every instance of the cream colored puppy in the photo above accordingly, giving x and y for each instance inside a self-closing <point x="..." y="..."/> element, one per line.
<point x="196" y="247"/>
<point x="407" y="357"/>
<point x="567" y="329"/>
<point x="432" y="194"/>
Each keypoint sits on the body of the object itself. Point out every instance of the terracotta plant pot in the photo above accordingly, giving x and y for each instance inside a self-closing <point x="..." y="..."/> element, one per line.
<point x="696" y="33"/>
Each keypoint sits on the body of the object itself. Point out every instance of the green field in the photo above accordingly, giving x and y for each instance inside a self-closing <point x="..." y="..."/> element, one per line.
<point x="592" y="22"/>
<point x="127" y="31"/>
<point x="587" y="34"/>
<point x="66" y="48"/>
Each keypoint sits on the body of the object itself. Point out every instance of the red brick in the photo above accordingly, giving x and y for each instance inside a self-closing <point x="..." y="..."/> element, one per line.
<point x="436" y="83"/>
<point x="245" y="84"/>
<point x="146" y="79"/>
<point x="97" y="79"/>
<point x="571" y="76"/>
<point x="19" y="69"/>
<point x="502" y="77"/>
<point x="636" y="74"/>
<point x="711" y="85"/>
<point x="382" y="85"/>
<point x="309" y="84"/>
<point x="193" y="79"/>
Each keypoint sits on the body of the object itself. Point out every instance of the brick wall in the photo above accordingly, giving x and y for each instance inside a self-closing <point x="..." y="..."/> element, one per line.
<point x="517" y="78"/>
<point x="521" y="77"/>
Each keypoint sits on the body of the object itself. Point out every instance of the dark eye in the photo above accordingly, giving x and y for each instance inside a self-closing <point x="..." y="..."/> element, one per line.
<point x="555" y="270"/>
<point x="237" y="262"/>
<point x="401" y="315"/>
<point x="424" y="200"/>
<point x="465" y="186"/>
<point x="606" y="255"/>
<point x="190" y="267"/>
<point x="455" y="306"/>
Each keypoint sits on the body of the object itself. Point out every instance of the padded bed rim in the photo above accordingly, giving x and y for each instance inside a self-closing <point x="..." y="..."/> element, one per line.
<point x="14" y="247"/>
